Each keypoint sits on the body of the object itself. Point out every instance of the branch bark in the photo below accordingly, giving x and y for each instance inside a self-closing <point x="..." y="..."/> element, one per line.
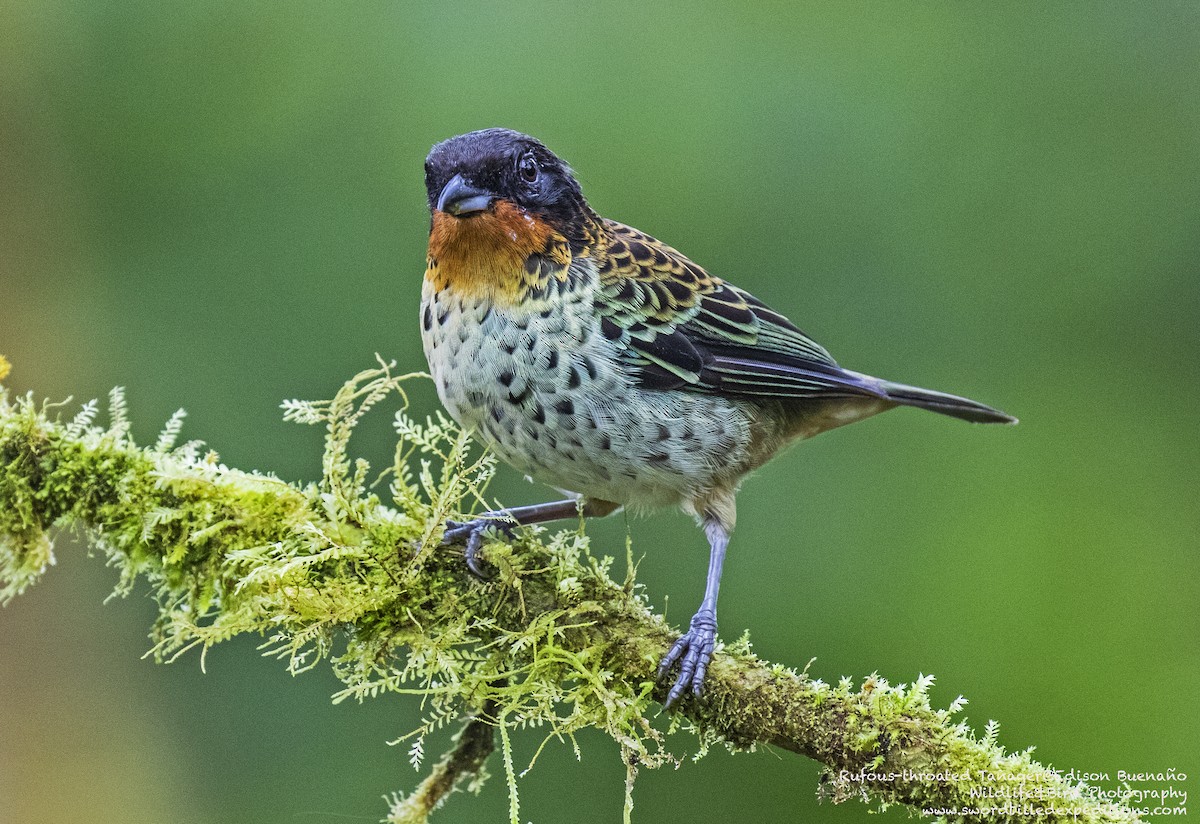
<point x="231" y="552"/>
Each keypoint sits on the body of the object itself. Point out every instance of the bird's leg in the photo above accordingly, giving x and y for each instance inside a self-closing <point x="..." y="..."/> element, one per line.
<point x="506" y="520"/>
<point x="694" y="650"/>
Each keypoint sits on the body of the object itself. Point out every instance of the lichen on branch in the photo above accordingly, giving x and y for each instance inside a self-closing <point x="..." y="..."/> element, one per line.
<point x="333" y="572"/>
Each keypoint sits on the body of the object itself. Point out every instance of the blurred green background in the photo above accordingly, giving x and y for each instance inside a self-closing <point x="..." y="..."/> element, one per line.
<point x="220" y="205"/>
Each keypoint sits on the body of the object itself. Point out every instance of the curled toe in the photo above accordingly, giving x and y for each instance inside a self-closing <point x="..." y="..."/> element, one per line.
<point x="470" y="534"/>
<point x="693" y="651"/>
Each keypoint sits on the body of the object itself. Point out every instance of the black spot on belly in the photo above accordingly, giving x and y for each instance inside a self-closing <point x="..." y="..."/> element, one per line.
<point x="605" y="442"/>
<point x="552" y="363"/>
<point x="505" y="378"/>
<point x="663" y="433"/>
<point x="574" y="379"/>
<point x="427" y="318"/>
<point x="497" y="414"/>
<point x="590" y="367"/>
<point x="659" y="458"/>
<point x="508" y="348"/>
<point x="539" y="414"/>
<point x="565" y="407"/>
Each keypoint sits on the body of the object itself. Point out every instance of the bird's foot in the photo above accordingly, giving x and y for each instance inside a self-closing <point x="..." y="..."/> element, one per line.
<point x="471" y="532"/>
<point x="693" y="652"/>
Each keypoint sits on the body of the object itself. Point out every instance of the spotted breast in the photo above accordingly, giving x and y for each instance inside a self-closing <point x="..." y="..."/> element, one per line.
<point x="543" y="387"/>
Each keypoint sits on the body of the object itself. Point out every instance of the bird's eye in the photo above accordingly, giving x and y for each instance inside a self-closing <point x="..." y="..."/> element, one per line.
<point x="528" y="168"/>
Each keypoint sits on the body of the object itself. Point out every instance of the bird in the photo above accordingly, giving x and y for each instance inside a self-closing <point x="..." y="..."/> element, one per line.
<point x="602" y="362"/>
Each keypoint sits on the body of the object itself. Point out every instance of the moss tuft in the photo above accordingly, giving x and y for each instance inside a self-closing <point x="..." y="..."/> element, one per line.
<point x="331" y="572"/>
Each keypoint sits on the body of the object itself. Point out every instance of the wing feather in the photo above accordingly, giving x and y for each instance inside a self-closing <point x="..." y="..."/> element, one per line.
<point x="681" y="327"/>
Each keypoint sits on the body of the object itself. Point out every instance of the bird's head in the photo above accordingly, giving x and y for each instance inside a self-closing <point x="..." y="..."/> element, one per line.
<point x="467" y="175"/>
<point x="495" y="175"/>
<point x="507" y="215"/>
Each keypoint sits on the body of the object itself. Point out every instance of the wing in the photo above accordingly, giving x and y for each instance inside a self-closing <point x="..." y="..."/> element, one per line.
<point x="680" y="327"/>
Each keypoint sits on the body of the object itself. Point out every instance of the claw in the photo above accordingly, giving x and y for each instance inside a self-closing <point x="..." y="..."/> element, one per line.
<point x="693" y="651"/>
<point x="471" y="533"/>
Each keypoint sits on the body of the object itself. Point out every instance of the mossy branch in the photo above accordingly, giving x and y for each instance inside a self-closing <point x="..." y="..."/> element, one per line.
<point x="330" y="571"/>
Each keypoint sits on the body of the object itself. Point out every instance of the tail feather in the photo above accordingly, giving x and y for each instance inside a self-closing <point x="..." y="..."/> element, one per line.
<point x="951" y="405"/>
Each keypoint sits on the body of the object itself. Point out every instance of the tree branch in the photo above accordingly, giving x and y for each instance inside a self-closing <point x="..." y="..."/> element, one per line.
<point x="329" y="571"/>
<point x="465" y="762"/>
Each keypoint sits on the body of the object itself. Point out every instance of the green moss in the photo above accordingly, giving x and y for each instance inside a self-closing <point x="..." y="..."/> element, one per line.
<point x="330" y="572"/>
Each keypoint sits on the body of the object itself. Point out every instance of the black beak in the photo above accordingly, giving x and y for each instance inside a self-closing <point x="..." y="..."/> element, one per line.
<point x="460" y="198"/>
